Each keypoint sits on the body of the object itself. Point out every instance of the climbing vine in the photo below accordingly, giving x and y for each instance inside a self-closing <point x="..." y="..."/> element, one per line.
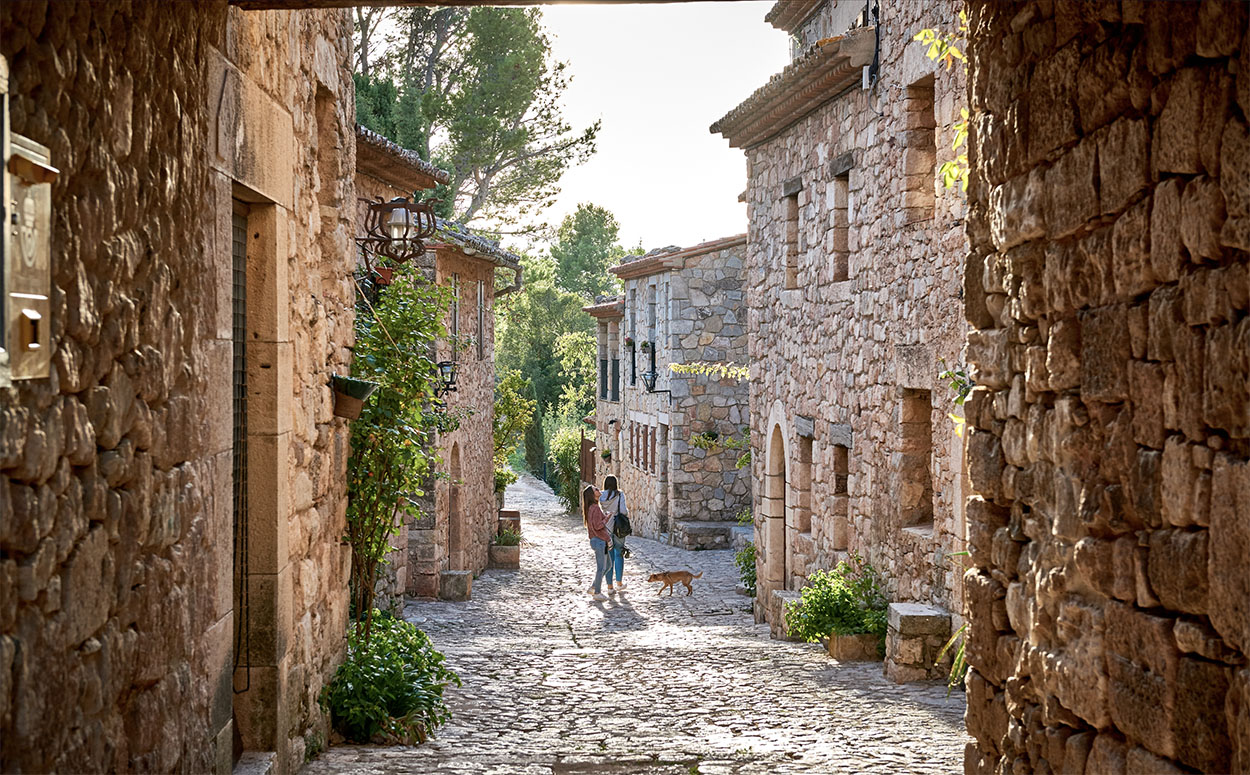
<point x="722" y="370"/>
<point x="946" y="47"/>
<point x="713" y="443"/>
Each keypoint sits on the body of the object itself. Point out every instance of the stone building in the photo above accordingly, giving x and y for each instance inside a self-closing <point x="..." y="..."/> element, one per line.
<point x="1110" y="432"/>
<point x="854" y="281"/>
<point x="172" y="492"/>
<point x="679" y="306"/>
<point x="460" y="519"/>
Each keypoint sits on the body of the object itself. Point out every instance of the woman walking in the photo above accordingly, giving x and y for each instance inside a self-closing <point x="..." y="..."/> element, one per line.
<point x="596" y="523"/>
<point x="612" y="501"/>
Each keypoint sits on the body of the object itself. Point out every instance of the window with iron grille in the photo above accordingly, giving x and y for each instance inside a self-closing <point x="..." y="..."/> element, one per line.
<point x="238" y="254"/>
<point x="481" y="320"/>
<point x="455" y="316"/>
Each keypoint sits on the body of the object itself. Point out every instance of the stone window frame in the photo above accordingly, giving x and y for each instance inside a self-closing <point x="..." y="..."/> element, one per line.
<point x="916" y="458"/>
<point x="791" y="220"/>
<point x="481" y="319"/>
<point x="840" y="210"/>
<point x="920" y="149"/>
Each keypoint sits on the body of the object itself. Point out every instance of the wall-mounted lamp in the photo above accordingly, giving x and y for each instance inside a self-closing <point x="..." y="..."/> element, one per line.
<point x="395" y="229"/>
<point x="447" y="379"/>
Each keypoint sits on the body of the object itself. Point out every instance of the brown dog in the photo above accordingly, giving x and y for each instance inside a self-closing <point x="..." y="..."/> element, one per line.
<point x="672" y="577"/>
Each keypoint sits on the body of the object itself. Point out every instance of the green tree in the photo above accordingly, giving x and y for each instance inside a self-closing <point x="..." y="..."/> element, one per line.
<point x="477" y="92"/>
<point x="392" y="442"/>
<point x="531" y="322"/>
<point x="576" y="351"/>
<point x="585" y="247"/>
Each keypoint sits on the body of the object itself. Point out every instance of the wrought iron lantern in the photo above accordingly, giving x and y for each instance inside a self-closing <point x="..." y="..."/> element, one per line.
<point x="648" y="379"/>
<point x="447" y="379"/>
<point x="396" y="229"/>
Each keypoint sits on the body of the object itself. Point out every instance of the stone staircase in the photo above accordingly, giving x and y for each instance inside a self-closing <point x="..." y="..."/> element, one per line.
<point x="702" y="535"/>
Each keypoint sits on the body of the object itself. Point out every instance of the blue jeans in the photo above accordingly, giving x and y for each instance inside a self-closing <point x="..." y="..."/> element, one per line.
<point x="601" y="562"/>
<point x="616" y="560"/>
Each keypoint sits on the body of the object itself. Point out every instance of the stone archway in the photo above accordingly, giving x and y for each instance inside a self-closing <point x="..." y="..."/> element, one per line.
<point x="455" y="516"/>
<point x="774" y="513"/>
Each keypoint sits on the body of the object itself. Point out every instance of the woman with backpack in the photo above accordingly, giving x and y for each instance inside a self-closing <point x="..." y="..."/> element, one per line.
<point x="612" y="501"/>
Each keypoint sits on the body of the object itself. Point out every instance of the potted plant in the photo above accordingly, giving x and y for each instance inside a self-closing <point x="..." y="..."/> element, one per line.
<point x="505" y="549"/>
<point x="629" y="342"/>
<point x="844" y="608"/>
<point x="644" y="346"/>
<point x="350" y="395"/>
<point x="606" y="454"/>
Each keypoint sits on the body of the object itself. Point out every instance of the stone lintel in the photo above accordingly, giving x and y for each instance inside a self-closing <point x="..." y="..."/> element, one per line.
<point x="840" y="434"/>
<point x="792" y="186"/>
<point x="842" y="164"/>
<point x="909" y="619"/>
<point x="805" y="426"/>
<point x="915" y="366"/>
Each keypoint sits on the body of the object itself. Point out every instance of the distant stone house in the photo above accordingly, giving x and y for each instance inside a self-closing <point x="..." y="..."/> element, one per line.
<point x="679" y="306"/>
<point x="460" y="519"/>
<point x="854" y="276"/>
<point x="172" y="492"/>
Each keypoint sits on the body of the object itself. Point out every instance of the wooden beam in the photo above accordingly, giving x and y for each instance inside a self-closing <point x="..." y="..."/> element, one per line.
<point x="292" y="5"/>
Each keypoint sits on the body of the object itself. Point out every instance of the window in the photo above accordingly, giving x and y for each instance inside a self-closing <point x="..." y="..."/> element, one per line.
<point x="633" y="335"/>
<point x="481" y="320"/>
<point x="803" y="486"/>
<point x="841" y="472"/>
<point x="791" y="249"/>
<point x="455" y="316"/>
<point x="920" y="154"/>
<point x="915" y="459"/>
<point x="614" y="347"/>
<point x="603" y="360"/>
<point x="841" y="253"/>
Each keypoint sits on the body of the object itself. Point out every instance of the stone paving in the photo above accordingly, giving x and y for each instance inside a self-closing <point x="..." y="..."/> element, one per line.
<point x="558" y="684"/>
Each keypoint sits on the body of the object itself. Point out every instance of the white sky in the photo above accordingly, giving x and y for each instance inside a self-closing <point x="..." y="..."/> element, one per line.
<point x="658" y="76"/>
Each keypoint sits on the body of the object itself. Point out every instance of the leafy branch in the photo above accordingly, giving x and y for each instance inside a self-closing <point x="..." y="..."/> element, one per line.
<point x="722" y="370"/>
<point x="946" y="47"/>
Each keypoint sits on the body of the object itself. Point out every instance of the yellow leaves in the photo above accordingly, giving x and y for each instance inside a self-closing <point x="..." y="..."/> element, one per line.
<point x="960" y="422"/>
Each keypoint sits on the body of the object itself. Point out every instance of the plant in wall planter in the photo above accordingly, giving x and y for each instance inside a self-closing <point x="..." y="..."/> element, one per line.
<point x="645" y="346"/>
<point x="505" y="549"/>
<point x="845" y="608"/>
<point x="606" y="454"/>
<point x="629" y="342"/>
<point x="350" y="395"/>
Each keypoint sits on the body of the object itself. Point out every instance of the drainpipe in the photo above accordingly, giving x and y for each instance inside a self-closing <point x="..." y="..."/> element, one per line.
<point x="516" y="285"/>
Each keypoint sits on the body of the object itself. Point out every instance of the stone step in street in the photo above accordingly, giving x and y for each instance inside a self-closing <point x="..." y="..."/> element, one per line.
<point x="556" y="683"/>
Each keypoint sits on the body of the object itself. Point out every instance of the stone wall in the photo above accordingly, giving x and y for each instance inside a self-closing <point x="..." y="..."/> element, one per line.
<point x="708" y="311"/>
<point x="1107" y="285"/>
<point x="464" y="524"/>
<point x="853" y="277"/>
<point x="690" y="304"/>
<point x="117" y="611"/>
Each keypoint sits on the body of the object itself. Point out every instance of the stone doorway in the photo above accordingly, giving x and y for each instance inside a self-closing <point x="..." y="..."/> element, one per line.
<point x="455" y="519"/>
<point x="774" y="510"/>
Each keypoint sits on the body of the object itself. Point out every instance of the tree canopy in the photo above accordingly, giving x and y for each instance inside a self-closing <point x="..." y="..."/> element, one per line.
<point x="477" y="92"/>
<point x="585" y="248"/>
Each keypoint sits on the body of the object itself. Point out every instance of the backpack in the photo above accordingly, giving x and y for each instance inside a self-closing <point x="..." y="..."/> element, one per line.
<point x="621" y="526"/>
<point x="620" y="522"/>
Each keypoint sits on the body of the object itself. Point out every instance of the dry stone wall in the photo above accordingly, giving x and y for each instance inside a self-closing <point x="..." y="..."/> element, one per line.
<point x="1109" y="436"/>
<point x="116" y="610"/>
<point x="845" y="347"/>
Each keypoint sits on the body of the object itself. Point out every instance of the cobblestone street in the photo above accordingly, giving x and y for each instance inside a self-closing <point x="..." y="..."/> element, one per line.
<point x="557" y="683"/>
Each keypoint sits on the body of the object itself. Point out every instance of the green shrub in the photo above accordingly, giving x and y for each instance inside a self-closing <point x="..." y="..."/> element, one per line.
<point x="508" y="537"/>
<point x="504" y="476"/>
<point x="845" y="601"/>
<point x="565" y="454"/>
<point x="389" y="689"/>
<point x="745" y="560"/>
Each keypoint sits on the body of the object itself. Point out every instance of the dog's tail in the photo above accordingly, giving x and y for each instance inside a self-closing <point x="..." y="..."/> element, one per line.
<point x="698" y="575"/>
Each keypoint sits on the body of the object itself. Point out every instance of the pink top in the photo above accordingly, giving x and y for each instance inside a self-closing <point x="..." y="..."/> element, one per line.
<point x="597" y="523"/>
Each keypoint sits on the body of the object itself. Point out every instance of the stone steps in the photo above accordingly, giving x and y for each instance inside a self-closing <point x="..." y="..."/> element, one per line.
<point x="702" y="535"/>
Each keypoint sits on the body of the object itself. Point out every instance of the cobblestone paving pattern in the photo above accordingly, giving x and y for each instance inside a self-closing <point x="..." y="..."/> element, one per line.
<point x="557" y="684"/>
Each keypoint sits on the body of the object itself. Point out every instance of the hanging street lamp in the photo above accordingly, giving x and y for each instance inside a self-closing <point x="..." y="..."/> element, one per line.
<point x="395" y="230"/>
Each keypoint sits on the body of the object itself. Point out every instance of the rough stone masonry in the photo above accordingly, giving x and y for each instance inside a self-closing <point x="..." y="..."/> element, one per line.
<point x="1107" y="288"/>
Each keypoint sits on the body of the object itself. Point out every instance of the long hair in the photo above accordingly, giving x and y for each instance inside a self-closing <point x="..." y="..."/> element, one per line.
<point x="588" y="500"/>
<point x="609" y="484"/>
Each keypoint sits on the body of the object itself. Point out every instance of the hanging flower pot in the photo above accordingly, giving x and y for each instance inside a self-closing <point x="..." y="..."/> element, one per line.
<point x="385" y="274"/>
<point x="350" y="395"/>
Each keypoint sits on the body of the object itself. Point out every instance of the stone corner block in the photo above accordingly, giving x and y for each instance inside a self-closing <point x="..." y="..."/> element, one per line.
<point x="456" y="585"/>
<point x="918" y="619"/>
